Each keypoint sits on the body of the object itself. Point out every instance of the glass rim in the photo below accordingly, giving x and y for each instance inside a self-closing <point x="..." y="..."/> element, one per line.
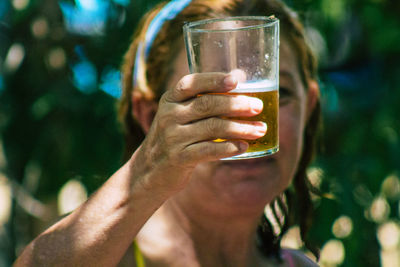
<point x="268" y="22"/>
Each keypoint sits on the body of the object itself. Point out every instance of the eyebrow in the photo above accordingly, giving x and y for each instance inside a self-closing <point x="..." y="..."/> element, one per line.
<point x="289" y="77"/>
<point x="287" y="74"/>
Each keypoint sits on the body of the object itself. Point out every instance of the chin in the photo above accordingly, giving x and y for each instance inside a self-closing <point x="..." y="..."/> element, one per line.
<point x="241" y="186"/>
<point x="251" y="194"/>
<point x="249" y="183"/>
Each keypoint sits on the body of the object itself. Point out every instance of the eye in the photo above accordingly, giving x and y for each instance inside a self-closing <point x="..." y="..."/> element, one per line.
<point x="285" y="95"/>
<point x="284" y="92"/>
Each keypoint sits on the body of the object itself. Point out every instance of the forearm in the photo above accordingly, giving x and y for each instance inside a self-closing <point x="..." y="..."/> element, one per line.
<point x="99" y="232"/>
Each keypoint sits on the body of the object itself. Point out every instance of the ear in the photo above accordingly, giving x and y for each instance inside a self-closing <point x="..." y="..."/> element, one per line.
<point x="143" y="110"/>
<point x="312" y="97"/>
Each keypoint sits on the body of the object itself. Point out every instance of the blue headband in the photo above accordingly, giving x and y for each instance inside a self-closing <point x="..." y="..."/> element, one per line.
<point x="168" y="12"/>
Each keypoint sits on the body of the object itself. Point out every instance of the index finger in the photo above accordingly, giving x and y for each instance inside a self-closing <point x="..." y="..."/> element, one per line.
<point x="200" y="83"/>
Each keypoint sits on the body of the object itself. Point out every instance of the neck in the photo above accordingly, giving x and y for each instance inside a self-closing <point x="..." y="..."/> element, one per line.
<point x="212" y="222"/>
<point x="216" y="236"/>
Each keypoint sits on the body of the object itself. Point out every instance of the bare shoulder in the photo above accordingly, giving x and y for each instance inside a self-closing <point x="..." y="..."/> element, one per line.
<point x="298" y="258"/>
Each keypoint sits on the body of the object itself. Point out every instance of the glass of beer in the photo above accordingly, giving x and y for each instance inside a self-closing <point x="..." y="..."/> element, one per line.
<point x="249" y="45"/>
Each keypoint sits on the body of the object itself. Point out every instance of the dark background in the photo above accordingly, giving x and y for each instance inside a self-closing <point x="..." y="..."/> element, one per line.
<point x="59" y="65"/>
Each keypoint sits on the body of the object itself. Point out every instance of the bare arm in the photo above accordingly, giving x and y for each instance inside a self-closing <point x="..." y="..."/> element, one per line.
<point x="99" y="232"/>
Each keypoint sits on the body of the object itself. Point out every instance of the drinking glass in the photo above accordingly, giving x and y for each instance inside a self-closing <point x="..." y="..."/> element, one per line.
<point x="249" y="44"/>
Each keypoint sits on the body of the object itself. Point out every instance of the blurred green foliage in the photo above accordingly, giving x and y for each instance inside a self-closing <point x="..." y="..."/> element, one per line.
<point x="53" y="131"/>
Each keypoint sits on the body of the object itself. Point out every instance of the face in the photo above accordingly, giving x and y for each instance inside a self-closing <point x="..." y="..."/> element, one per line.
<point x="248" y="185"/>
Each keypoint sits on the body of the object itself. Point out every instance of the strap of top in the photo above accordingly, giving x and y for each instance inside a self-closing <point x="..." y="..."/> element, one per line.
<point x="289" y="258"/>
<point x="138" y="255"/>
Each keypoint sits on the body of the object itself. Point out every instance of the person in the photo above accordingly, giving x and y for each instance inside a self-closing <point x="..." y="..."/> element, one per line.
<point x="174" y="203"/>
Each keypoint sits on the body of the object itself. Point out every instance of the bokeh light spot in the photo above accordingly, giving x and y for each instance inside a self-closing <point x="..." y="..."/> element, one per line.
<point x="87" y="4"/>
<point x="292" y="238"/>
<point x="332" y="253"/>
<point x="20" y="4"/>
<point x="390" y="134"/>
<point x="14" y="57"/>
<point x="391" y="187"/>
<point x="56" y="58"/>
<point x="335" y="10"/>
<point x="85" y="76"/>
<point x="342" y="227"/>
<point x="111" y="82"/>
<point x="40" y="28"/>
<point x="379" y="210"/>
<point x="71" y="196"/>
<point x="5" y="200"/>
<point x="88" y="17"/>
<point x="389" y="235"/>
<point x="390" y="258"/>
<point x="315" y="175"/>
<point x="40" y="108"/>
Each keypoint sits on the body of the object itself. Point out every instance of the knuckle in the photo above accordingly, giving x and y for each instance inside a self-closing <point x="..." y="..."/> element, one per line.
<point x="172" y="156"/>
<point x="162" y="121"/>
<point x="172" y="136"/>
<point x="184" y="83"/>
<point x="166" y="115"/>
<point x="182" y="115"/>
<point x="162" y="124"/>
<point x="186" y="157"/>
<point x="212" y="126"/>
<point x="204" y="104"/>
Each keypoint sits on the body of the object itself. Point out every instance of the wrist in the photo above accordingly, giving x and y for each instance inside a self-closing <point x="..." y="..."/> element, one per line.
<point x="148" y="181"/>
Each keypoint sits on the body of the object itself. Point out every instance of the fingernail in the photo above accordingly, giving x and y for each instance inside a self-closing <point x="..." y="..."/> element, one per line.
<point x="256" y="105"/>
<point x="262" y="128"/>
<point x="230" y="81"/>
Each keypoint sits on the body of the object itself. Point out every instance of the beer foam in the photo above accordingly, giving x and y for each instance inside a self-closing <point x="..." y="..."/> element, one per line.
<point x="255" y="86"/>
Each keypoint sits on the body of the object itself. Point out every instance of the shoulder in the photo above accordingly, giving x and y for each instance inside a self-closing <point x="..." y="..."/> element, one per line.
<point x="297" y="258"/>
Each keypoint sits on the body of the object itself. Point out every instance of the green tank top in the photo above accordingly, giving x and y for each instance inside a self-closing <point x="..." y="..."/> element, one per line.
<point x="138" y="256"/>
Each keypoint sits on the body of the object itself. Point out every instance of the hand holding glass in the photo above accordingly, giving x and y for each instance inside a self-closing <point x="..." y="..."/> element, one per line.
<point x="248" y="44"/>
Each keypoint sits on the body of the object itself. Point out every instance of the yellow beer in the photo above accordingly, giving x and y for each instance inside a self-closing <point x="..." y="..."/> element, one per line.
<point x="269" y="115"/>
<point x="269" y="143"/>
